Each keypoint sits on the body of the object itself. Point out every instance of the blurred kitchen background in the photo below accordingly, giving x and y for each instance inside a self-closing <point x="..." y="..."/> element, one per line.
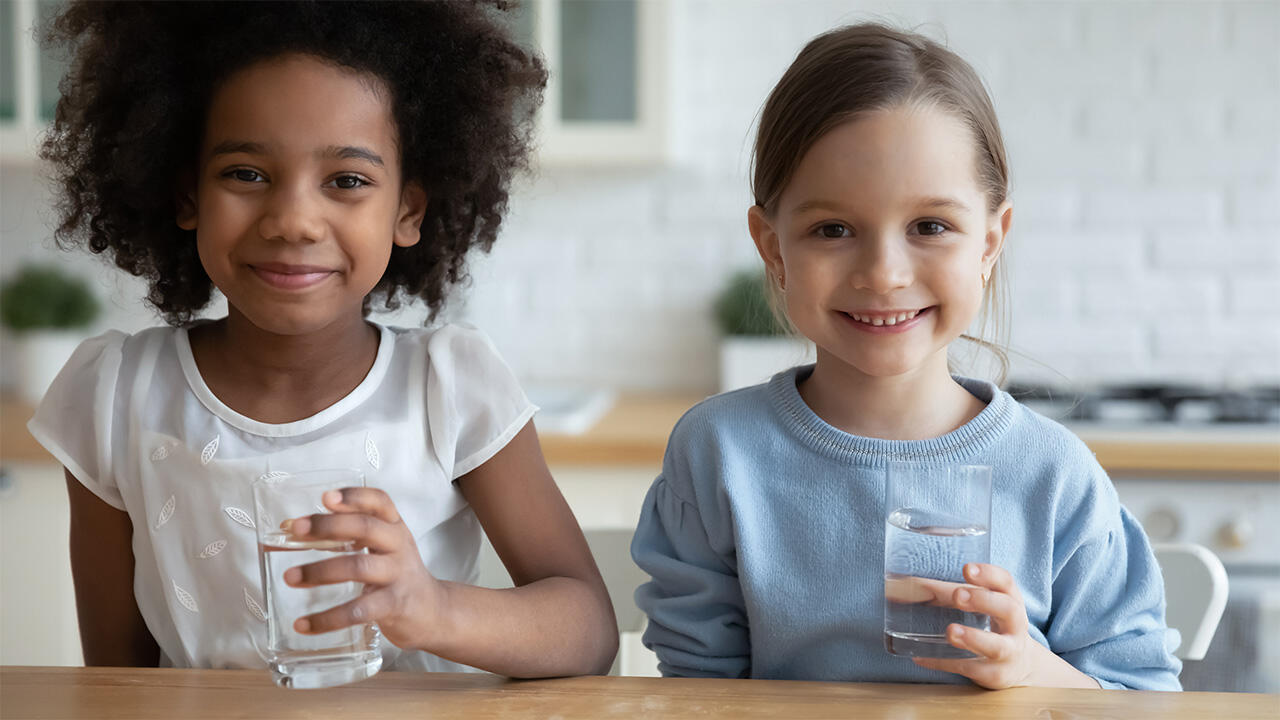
<point x="1144" y="259"/>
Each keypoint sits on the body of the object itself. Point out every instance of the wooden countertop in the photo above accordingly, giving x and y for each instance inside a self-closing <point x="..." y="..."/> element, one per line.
<point x="33" y="693"/>
<point x="634" y="432"/>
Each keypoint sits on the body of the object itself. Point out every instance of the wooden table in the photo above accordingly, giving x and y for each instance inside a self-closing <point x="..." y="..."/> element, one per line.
<point x="34" y="693"/>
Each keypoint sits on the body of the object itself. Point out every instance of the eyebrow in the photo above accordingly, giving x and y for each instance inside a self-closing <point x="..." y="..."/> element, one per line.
<point x="943" y="203"/>
<point x="353" y="152"/>
<point x="346" y="152"/>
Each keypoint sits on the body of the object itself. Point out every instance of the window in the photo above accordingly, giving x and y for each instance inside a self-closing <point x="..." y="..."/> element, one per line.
<point x="603" y="104"/>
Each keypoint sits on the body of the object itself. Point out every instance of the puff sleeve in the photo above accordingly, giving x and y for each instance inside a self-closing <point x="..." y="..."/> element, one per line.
<point x="697" y="613"/>
<point x="475" y="405"/>
<point x="79" y="416"/>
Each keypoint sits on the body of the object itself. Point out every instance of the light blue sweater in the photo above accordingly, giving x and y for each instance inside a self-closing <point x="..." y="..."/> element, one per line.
<point x="764" y="536"/>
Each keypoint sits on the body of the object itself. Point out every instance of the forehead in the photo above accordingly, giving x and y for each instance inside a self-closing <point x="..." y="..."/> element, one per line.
<point x="887" y="154"/>
<point x="297" y="100"/>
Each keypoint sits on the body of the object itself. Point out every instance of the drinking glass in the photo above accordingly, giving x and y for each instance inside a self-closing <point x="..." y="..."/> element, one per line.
<point x="937" y="518"/>
<point x="297" y="660"/>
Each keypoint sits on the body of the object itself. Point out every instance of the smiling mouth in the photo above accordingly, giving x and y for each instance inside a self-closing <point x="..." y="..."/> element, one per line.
<point x="883" y="319"/>
<point x="290" y="277"/>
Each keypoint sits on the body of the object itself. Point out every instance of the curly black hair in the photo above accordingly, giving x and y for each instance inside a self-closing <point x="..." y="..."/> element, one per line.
<point x="133" y="107"/>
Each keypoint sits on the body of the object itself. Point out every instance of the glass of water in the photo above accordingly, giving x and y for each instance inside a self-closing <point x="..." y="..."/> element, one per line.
<point x="298" y="660"/>
<point x="937" y="518"/>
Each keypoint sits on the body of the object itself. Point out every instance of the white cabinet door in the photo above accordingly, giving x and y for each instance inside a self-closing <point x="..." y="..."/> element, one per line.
<point x="37" y="600"/>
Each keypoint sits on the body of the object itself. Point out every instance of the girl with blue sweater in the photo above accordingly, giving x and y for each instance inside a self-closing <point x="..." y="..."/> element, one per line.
<point x="882" y="206"/>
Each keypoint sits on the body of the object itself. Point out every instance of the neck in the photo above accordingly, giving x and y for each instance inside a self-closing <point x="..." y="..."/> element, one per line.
<point x="921" y="404"/>
<point x="282" y="378"/>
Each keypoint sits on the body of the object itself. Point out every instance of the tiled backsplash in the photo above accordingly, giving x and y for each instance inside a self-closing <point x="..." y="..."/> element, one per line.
<point x="1145" y="145"/>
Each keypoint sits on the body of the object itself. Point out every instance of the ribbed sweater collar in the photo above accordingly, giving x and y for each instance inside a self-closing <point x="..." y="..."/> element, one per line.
<point x="962" y="444"/>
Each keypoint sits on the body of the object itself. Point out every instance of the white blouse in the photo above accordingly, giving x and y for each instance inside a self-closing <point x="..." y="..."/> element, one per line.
<point x="133" y="420"/>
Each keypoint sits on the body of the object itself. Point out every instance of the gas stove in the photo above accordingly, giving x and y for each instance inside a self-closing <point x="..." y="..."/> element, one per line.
<point x="1154" y="406"/>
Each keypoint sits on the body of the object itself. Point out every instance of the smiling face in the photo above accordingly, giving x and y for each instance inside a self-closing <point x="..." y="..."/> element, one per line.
<point x="881" y="239"/>
<point x="298" y="197"/>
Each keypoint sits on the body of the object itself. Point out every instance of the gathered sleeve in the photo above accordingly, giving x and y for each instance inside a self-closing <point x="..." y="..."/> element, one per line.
<point x="1108" y="618"/>
<point x="78" y="418"/>
<point x="697" y="615"/>
<point x="475" y="405"/>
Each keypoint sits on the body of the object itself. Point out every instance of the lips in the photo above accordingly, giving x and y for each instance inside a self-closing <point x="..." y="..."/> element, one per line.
<point x="886" y="321"/>
<point x="291" y="277"/>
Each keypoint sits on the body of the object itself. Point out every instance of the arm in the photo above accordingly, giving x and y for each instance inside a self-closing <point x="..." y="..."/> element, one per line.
<point x="1108" y="617"/>
<point x="558" y="620"/>
<point x="112" y="631"/>
<point x="697" y="615"/>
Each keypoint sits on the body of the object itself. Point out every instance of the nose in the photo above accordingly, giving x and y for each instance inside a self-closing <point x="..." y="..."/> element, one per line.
<point x="882" y="264"/>
<point x="292" y="214"/>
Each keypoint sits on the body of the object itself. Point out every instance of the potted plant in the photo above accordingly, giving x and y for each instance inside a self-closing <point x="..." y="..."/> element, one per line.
<point x="47" y="311"/>
<point x="755" y="345"/>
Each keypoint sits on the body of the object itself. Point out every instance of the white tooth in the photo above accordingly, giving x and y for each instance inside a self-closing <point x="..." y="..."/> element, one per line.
<point x="878" y="322"/>
<point x="860" y="318"/>
<point x="912" y="314"/>
<point x="891" y="321"/>
<point x="902" y="317"/>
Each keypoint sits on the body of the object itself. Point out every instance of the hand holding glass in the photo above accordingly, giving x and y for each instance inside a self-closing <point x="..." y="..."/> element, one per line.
<point x="937" y="519"/>
<point x="323" y="659"/>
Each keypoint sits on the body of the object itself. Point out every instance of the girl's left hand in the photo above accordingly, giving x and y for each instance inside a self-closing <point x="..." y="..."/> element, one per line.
<point x="1007" y="655"/>
<point x="400" y="594"/>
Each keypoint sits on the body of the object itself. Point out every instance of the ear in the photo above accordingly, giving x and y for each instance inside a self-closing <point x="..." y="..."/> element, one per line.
<point x="413" y="207"/>
<point x="766" y="239"/>
<point x="1001" y="219"/>
<point x="184" y="201"/>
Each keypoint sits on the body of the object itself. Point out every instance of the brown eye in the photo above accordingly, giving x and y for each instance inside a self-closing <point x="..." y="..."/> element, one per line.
<point x="348" y="182"/>
<point x="246" y="175"/>
<point x="929" y="227"/>
<point x="833" y="230"/>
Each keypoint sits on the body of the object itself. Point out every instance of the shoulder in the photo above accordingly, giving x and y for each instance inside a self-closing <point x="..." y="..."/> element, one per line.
<point x="450" y="341"/>
<point x="1061" y="469"/>
<point x="721" y="432"/>
<point x="115" y="352"/>
<point x="723" y="416"/>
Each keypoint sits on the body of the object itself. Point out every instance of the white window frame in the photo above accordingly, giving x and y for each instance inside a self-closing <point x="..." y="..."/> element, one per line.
<point x="597" y="143"/>
<point x="19" y="137"/>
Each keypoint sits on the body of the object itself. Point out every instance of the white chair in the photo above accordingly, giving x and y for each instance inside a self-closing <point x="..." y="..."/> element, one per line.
<point x="1195" y="591"/>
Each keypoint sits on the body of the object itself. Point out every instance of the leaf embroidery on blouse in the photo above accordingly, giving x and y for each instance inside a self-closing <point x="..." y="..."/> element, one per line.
<point x="160" y="453"/>
<point x="185" y="598"/>
<point x="371" y="452"/>
<point x="209" y="450"/>
<point x="254" y="607"/>
<point x="239" y="516"/>
<point x="166" y="512"/>
<point x="213" y="548"/>
<point x="265" y="517"/>
<point x="273" y="475"/>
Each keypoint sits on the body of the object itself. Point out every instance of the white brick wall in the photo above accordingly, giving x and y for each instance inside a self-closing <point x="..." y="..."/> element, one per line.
<point x="1145" y="144"/>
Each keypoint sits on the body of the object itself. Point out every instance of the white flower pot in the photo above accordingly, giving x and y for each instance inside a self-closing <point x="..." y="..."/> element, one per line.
<point x="749" y="360"/>
<point x="38" y="356"/>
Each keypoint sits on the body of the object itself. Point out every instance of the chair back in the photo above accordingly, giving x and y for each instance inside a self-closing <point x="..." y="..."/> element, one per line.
<point x="1195" y="591"/>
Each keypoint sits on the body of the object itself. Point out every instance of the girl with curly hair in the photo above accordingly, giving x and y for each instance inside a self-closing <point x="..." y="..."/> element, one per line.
<point x="305" y="159"/>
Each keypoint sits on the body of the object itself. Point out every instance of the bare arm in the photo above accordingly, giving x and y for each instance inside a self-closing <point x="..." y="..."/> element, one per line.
<point x="112" y="631"/>
<point x="558" y="619"/>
